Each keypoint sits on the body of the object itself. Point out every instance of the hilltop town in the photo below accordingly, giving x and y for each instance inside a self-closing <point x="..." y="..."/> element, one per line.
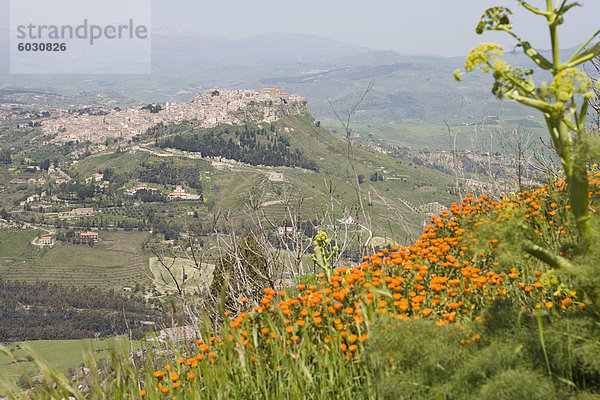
<point x="212" y="107"/>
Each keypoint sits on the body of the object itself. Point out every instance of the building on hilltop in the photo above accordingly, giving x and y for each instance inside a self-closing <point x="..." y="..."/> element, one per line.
<point x="274" y="91"/>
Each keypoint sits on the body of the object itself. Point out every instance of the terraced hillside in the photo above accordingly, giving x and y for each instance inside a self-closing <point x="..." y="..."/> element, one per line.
<point x="114" y="262"/>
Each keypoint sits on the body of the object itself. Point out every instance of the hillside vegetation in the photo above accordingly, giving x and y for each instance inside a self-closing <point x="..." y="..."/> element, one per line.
<point x="497" y="297"/>
<point x="460" y="304"/>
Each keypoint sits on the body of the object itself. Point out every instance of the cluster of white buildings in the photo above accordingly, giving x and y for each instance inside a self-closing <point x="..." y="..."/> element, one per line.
<point x="211" y="108"/>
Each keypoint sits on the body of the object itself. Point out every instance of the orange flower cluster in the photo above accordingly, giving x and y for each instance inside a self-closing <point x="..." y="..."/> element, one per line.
<point x="443" y="275"/>
<point x="185" y="373"/>
<point x="448" y="274"/>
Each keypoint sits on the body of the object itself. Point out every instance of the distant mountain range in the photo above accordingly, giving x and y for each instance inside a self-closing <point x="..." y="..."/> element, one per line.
<point x="263" y="49"/>
<point x="407" y="89"/>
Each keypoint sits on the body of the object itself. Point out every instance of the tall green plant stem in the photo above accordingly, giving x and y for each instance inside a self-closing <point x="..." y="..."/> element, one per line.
<point x="575" y="175"/>
<point x="558" y="102"/>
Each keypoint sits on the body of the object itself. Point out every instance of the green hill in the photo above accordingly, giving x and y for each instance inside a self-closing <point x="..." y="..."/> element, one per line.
<point x="228" y="185"/>
<point x="310" y="181"/>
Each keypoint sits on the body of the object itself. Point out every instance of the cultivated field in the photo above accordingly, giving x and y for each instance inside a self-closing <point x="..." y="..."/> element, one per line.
<point x="114" y="262"/>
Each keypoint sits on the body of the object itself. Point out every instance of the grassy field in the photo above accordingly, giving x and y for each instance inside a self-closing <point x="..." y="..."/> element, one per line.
<point x="120" y="162"/>
<point x="61" y="354"/>
<point x="114" y="262"/>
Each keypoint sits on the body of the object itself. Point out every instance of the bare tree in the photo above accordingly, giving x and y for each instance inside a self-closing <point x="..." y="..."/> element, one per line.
<point x="346" y="123"/>
<point x="456" y="165"/>
<point x="516" y="143"/>
<point x="452" y="141"/>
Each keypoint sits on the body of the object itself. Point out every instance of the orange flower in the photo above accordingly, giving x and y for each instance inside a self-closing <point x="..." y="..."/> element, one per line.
<point x="264" y="331"/>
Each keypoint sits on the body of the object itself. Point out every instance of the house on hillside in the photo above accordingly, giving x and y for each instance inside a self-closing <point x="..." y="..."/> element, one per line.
<point x="137" y="188"/>
<point x="35" y="197"/>
<point x="276" y="177"/>
<point x="87" y="237"/>
<point x="95" y="178"/>
<point x="45" y="241"/>
<point x="180" y="194"/>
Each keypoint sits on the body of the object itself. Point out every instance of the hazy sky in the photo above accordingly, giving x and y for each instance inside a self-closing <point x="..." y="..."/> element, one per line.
<point x="444" y="27"/>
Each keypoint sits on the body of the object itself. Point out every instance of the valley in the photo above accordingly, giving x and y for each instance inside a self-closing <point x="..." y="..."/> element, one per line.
<point x="279" y="191"/>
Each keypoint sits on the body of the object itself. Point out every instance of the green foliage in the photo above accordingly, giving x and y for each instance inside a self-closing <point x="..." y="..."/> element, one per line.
<point x="250" y="144"/>
<point x="322" y="256"/>
<point x="517" y="384"/>
<point x="166" y="173"/>
<point x="410" y="360"/>
<point x="41" y="310"/>
<point x="417" y="360"/>
<point x="563" y="102"/>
